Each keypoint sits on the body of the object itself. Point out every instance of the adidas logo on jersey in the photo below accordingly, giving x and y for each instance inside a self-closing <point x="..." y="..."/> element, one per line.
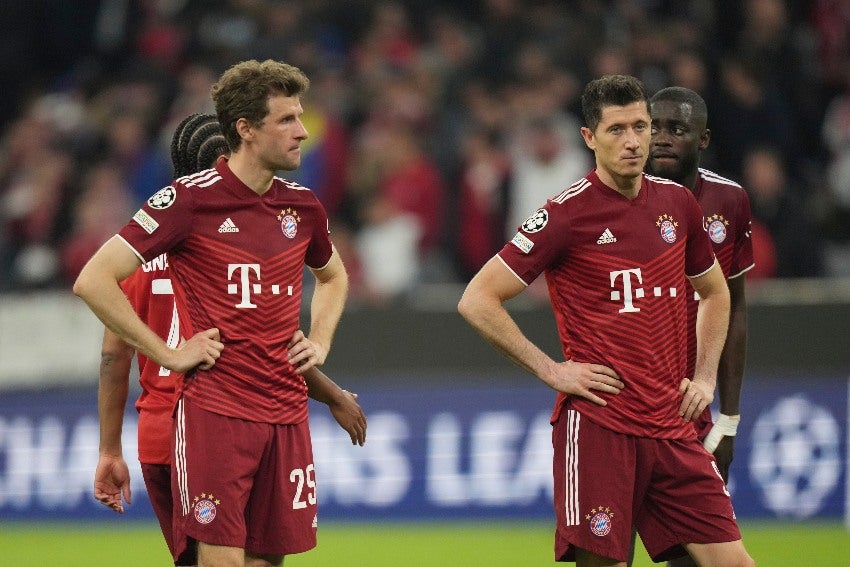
<point x="228" y="226"/>
<point x="606" y="237"/>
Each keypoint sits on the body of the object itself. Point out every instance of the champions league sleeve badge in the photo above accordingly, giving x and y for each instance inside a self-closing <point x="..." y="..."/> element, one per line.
<point x="536" y="222"/>
<point x="163" y="198"/>
<point x="668" y="227"/>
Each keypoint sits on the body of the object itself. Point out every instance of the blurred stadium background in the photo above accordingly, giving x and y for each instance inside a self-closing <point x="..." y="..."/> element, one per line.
<point x="466" y="106"/>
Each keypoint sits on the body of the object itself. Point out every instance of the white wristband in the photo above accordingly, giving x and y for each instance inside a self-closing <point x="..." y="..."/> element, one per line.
<point x="725" y="426"/>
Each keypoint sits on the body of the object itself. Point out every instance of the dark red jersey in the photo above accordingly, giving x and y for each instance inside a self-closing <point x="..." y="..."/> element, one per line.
<point x="726" y="210"/>
<point x="151" y="294"/>
<point x="237" y="261"/>
<point x="616" y="274"/>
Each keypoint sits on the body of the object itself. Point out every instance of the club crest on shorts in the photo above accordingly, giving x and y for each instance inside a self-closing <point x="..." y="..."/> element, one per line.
<point x="536" y="222"/>
<point x="668" y="227"/>
<point x="163" y="198"/>
<point x="600" y="520"/>
<point x="289" y="220"/>
<point x="204" y="508"/>
<point x="715" y="226"/>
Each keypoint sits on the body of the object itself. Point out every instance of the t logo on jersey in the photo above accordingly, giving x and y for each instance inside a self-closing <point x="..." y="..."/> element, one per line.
<point x="630" y="289"/>
<point x="245" y="287"/>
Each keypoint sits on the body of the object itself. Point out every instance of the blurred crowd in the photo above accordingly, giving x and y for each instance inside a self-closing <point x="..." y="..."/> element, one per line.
<point x="436" y="126"/>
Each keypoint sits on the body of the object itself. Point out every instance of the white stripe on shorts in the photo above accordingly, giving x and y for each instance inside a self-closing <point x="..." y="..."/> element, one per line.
<point x="180" y="456"/>
<point x="571" y="504"/>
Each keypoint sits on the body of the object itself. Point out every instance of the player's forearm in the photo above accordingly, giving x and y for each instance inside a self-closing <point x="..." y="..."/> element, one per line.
<point x="326" y="308"/>
<point x="711" y="329"/>
<point x="320" y="387"/>
<point x="730" y="374"/>
<point x="112" y="392"/>
<point x="97" y="285"/>
<point x="493" y="322"/>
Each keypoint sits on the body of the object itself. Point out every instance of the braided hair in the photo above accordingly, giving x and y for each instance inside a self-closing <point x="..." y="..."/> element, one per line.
<point x="196" y="144"/>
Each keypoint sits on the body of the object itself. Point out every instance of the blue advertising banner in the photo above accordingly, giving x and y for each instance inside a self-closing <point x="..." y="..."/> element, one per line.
<point x="437" y="452"/>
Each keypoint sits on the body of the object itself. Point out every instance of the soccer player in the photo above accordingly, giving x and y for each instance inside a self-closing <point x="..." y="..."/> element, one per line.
<point x="616" y="247"/>
<point x="679" y="134"/>
<point x="196" y="144"/>
<point x="237" y="239"/>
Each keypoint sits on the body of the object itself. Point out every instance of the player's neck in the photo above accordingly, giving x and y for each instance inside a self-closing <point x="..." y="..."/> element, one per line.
<point x="628" y="187"/>
<point x="250" y="172"/>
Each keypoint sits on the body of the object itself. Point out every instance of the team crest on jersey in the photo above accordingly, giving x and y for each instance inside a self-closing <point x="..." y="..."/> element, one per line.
<point x="163" y="198"/>
<point x="289" y="220"/>
<point x="667" y="225"/>
<point x="715" y="226"/>
<point x="536" y="222"/>
<point x="205" y="509"/>
<point x="600" y="520"/>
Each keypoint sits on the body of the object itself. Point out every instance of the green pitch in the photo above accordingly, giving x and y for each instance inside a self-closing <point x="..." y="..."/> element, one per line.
<point x="462" y="544"/>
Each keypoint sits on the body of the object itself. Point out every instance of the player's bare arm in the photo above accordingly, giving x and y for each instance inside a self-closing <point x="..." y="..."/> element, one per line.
<point x="98" y="286"/>
<point x="112" y="475"/>
<point x="711" y="329"/>
<point x="325" y="312"/>
<point x="730" y="373"/>
<point x="342" y="404"/>
<point x="482" y="305"/>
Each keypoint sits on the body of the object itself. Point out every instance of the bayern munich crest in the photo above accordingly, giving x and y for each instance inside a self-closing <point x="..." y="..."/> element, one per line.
<point x="289" y="220"/>
<point x="668" y="227"/>
<point x="715" y="226"/>
<point x="600" y="520"/>
<point x="204" y="509"/>
<point x="163" y="198"/>
<point x="536" y="222"/>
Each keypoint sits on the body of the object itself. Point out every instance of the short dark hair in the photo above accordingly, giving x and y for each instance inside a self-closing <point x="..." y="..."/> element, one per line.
<point x="681" y="95"/>
<point x="196" y="144"/>
<point x="244" y="89"/>
<point x="610" y="90"/>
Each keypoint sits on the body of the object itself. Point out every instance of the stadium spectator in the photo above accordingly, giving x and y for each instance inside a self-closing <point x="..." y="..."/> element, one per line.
<point x="783" y="211"/>
<point x="242" y="409"/>
<point x="603" y="234"/>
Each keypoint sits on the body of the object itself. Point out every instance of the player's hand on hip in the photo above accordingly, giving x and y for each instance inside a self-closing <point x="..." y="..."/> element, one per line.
<point x="696" y="396"/>
<point x="304" y="353"/>
<point x="584" y="379"/>
<point x="202" y="350"/>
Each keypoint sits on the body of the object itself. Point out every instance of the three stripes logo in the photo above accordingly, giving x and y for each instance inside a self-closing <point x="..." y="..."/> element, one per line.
<point x="607" y="237"/>
<point x="228" y="226"/>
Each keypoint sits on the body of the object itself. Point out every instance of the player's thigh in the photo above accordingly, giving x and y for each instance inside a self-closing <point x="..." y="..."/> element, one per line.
<point x="726" y="554"/>
<point x="210" y="555"/>
<point x="263" y="560"/>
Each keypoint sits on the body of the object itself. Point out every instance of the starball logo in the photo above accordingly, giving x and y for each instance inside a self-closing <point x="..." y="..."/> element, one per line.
<point x="248" y="284"/>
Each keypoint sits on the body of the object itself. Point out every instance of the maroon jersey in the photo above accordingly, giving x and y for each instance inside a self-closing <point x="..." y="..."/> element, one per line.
<point x="237" y="261"/>
<point x="726" y="208"/>
<point x="616" y="274"/>
<point x="151" y="294"/>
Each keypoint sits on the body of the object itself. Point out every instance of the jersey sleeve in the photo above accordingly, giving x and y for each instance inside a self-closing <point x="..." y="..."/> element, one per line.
<point x="320" y="248"/>
<point x="538" y="243"/>
<point x="161" y="224"/>
<point x="699" y="255"/>
<point x="742" y="254"/>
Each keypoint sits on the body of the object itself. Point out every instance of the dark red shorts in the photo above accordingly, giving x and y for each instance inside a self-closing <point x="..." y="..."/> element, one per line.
<point x="244" y="484"/>
<point x="605" y="482"/>
<point x="158" y="484"/>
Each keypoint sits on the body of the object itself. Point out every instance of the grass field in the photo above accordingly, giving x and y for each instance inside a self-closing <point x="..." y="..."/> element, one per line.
<point x="461" y="544"/>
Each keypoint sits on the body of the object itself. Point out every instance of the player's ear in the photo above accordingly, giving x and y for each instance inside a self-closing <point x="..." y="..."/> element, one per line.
<point x="589" y="140"/>
<point x="245" y="129"/>
<point x="705" y="139"/>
